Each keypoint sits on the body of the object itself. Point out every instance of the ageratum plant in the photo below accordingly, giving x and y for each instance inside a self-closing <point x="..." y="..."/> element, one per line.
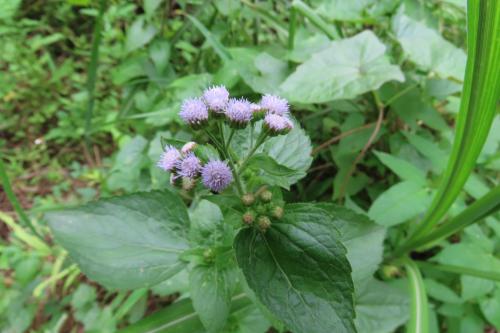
<point x="238" y="237"/>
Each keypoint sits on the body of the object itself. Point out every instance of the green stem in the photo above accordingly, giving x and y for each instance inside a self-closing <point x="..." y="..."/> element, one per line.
<point x="230" y="138"/>
<point x="92" y="71"/>
<point x="490" y="275"/>
<point x="4" y="178"/>
<point x="329" y="29"/>
<point x="260" y="140"/>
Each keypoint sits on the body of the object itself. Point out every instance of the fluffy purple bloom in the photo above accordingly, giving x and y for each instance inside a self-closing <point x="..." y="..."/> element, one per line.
<point x="216" y="175"/>
<point x="194" y="111"/>
<point x="169" y="158"/>
<point x="216" y="98"/>
<point x="189" y="166"/>
<point x="275" y="104"/>
<point x="275" y="123"/>
<point x="239" y="111"/>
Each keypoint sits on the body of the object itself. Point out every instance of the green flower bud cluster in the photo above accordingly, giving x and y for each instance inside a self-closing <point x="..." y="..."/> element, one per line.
<point x="261" y="209"/>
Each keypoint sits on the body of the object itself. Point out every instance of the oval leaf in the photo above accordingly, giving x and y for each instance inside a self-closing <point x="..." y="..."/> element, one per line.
<point x="125" y="242"/>
<point x="299" y="270"/>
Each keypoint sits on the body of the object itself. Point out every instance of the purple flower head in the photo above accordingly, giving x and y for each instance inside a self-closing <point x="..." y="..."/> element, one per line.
<point x="275" y="123"/>
<point x="239" y="111"/>
<point x="216" y="175"/>
<point x="189" y="166"/>
<point x="169" y="158"/>
<point x="216" y="98"/>
<point x="194" y="111"/>
<point x="275" y="104"/>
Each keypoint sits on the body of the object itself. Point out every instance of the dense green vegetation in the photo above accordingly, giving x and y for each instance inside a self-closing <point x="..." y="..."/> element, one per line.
<point x="400" y="144"/>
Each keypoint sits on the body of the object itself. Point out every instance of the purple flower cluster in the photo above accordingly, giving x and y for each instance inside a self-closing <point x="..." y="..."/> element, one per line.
<point x="216" y="175"/>
<point x="238" y="112"/>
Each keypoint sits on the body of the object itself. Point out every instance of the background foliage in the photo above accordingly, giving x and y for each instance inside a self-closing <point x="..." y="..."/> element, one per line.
<point x="375" y="84"/>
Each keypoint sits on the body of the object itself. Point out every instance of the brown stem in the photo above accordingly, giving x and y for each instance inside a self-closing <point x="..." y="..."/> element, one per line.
<point x="340" y="137"/>
<point x="363" y="151"/>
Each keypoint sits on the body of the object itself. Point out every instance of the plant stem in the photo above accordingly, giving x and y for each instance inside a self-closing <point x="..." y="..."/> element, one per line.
<point x="481" y="208"/>
<point x="92" y="70"/>
<point x="260" y="140"/>
<point x="230" y="138"/>
<point x="4" y="178"/>
<point x="419" y="307"/>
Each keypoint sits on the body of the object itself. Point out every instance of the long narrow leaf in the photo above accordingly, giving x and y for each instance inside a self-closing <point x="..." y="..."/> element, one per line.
<point x="419" y="307"/>
<point x="4" y="180"/>
<point x="486" y="205"/>
<point x="328" y="29"/>
<point x="477" y="109"/>
<point x="92" y="70"/>
<point x="179" y="317"/>
<point x="490" y="275"/>
<point x="214" y="43"/>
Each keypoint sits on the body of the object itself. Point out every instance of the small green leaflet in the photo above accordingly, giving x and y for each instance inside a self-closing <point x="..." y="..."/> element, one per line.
<point x="125" y="242"/>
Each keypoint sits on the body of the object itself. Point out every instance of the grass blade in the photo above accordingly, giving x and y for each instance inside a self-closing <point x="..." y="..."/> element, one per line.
<point x="490" y="275"/>
<point x="92" y="70"/>
<point x="216" y="45"/>
<point x="179" y="317"/>
<point x="4" y="179"/>
<point x="419" y="307"/>
<point x="316" y="20"/>
<point x="477" y="109"/>
<point x="481" y="208"/>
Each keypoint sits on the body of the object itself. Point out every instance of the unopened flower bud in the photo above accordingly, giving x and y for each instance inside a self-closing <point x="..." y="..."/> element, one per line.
<point x="278" y="212"/>
<point x="266" y="196"/>
<point x="188" y="147"/>
<point x="248" y="199"/>
<point x="209" y="255"/>
<point x="264" y="223"/>
<point x="248" y="217"/>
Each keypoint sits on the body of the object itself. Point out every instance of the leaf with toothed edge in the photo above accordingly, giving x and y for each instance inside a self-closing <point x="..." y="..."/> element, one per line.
<point x="125" y="242"/>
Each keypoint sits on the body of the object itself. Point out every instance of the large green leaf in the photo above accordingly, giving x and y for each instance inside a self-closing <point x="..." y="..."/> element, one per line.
<point x="211" y="291"/>
<point x="399" y="203"/>
<point x="363" y="239"/>
<point x="299" y="270"/>
<point x="344" y="70"/>
<point x="428" y="49"/>
<point x="405" y="170"/>
<point x="271" y="172"/>
<point x="381" y="308"/>
<point x="125" y="242"/>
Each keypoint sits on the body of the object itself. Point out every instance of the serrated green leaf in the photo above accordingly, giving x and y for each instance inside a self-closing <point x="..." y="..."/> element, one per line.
<point x="125" y="242"/>
<point x="363" y="240"/>
<point x="344" y="70"/>
<point x="299" y="270"/>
